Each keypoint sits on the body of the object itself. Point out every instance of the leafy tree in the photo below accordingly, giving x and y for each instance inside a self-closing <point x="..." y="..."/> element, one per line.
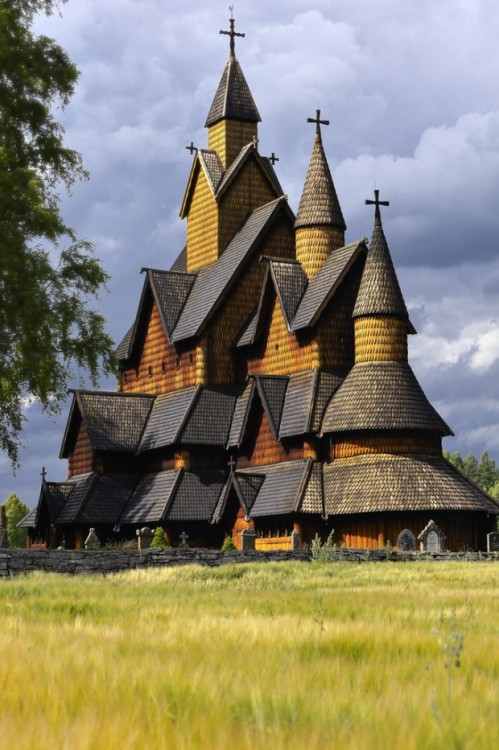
<point x="487" y="472"/>
<point x="159" y="539"/>
<point x="470" y="467"/>
<point x="15" y="510"/>
<point x="48" y="330"/>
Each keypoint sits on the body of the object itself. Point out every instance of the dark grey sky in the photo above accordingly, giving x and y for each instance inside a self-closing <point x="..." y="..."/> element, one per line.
<point x="411" y="91"/>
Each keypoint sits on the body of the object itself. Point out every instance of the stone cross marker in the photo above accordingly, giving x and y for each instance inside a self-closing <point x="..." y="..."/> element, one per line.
<point x="183" y="540"/>
<point x="92" y="540"/>
<point x="493" y="541"/>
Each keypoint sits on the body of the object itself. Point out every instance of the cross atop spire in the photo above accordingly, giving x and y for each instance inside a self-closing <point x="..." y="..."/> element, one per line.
<point x="318" y="122"/>
<point x="232" y="33"/>
<point x="376" y="202"/>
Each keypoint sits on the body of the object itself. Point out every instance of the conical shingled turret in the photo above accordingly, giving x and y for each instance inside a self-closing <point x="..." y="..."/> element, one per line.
<point x="320" y="226"/>
<point x="233" y="116"/>
<point x="381" y="317"/>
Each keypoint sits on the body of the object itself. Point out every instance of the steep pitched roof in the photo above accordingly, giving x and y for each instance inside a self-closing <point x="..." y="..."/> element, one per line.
<point x="290" y="282"/>
<point x="114" y="421"/>
<point x="283" y="487"/>
<point x="374" y="483"/>
<point x="272" y="392"/>
<point x="240" y="415"/>
<point x="379" y="291"/>
<point x="214" y="281"/>
<point x="209" y="419"/>
<point x="233" y="99"/>
<point x="323" y="285"/>
<point x="75" y="502"/>
<point x="107" y="498"/>
<point x="319" y="204"/>
<point x="180" y="263"/>
<point x="150" y="498"/>
<point x="381" y="396"/>
<point x="167" y="418"/>
<point x="196" y="496"/>
<point x="306" y="397"/>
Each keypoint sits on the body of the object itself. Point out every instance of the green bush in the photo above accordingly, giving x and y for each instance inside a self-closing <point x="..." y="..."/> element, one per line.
<point x="325" y="551"/>
<point x="228" y="544"/>
<point x="15" y="510"/>
<point x="159" y="539"/>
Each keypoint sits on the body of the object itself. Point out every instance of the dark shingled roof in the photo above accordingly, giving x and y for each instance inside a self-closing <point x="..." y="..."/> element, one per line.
<point x="240" y="415"/>
<point x="213" y="281"/>
<point x="150" y="499"/>
<point x="376" y="483"/>
<point x="30" y="520"/>
<point x="312" y="500"/>
<point x="381" y="396"/>
<point x="272" y="391"/>
<point x="319" y="204"/>
<point x="298" y="404"/>
<point x="210" y="417"/>
<point x="170" y="292"/>
<point x="283" y="488"/>
<point x="167" y="418"/>
<point x="290" y="281"/>
<point x="107" y="498"/>
<point x="327" y="385"/>
<point x="212" y="167"/>
<point x="323" y="285"/>
<point x="75" y="502"/>
<point x="233" y="99"/>
<point x="114" y="421"/>
<point x="248" y="332"/>
<point x="379" y="291"/>
<point x="179" y="265"/>
<point x="197" y="496"/>
<point x="123" y="349"/>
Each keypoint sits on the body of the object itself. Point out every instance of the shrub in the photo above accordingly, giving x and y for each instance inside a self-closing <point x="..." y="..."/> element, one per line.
<point x="228" y="544"/>
<point x="325" y="551"/>
<point x="159" y="539"/>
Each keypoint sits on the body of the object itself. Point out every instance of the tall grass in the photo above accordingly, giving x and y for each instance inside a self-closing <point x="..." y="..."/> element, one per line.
<point x="279" y="655"/>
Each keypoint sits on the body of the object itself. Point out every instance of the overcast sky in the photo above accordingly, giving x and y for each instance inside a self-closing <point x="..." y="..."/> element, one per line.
<point x="411" y="89"/>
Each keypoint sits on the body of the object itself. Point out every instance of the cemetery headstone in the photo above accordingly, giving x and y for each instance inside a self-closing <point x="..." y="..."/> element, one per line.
<point x="92" y="540"/>
<point x="493" y="541"/>
<point x="406" y="541"/>
<point x="248" y="537"/>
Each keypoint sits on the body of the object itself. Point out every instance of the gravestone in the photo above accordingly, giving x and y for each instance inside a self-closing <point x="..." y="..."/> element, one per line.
<point x="145" y="536"/>
<point x="295" y="540"/>
<point x="92" y="540"/>
<point x="248" y="537"/>
<point x="4" y="539"/>
<point x="183" y="540"/>
<point x="493" y="541"/>
<point x="406" y="541"/>
<point x="432" y="539"/>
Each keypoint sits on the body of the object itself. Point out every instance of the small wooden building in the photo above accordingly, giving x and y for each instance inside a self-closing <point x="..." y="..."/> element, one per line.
<point x="264" y="382"/>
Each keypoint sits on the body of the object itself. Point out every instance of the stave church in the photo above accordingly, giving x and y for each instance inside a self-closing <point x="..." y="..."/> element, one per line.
<point x="264" y="386"/>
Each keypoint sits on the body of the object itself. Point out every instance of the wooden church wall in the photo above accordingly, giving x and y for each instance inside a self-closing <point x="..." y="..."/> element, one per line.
<point x="221" y="358"/>
<point x="227" y="137"/>
<point x="162" y="366"/>
<point x="202" y="226"/>
<point x="356" y="444"/>
<point x="249" y="190"/>
<point x="81" y="460"/>
<point x="262" y="448"/>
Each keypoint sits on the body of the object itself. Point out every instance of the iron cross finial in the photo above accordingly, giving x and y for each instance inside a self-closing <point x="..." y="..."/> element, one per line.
<point x="232" y="33"/>
<point x="191" y="148"/>
<point x="44" y="473"/>
<point x="231" y="464"/>
<point x="273" y="158"/>
<point x="376" y="202"/>
<point x="318" y="122"/>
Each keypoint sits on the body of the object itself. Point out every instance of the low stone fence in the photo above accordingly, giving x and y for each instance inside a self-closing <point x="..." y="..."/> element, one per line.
<point x="72" y="562"/>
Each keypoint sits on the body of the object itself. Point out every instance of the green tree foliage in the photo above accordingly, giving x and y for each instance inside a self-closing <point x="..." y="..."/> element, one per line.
<point x="48" y="330"/>
<point x="159" y="539"/>
<point x="484" y="473"/>
<point x="15" y="510"/>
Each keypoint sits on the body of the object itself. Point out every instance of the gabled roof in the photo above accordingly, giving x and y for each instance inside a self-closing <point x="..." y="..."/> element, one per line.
<point x="214" y="281"/>
<point x="196" y="496"/>
<point x="150" y="498"/>
<point x="312" y="498"/>
<point x="379" y="291"/>
<point x="180" y="263"/>
<point x="218" y="180"/>
<point x="124" y="347"/>
<point x="210" y="415"/>
<point x="375" y="483"/>
<point x="240" y="415"/>
<point x="283" y="487"/>
<point x="290" y="282"/>
<point x="107" y="498"/>
<point x="319" y="204"/>
<point x="170" y="291"/>
<point x="323" y="285"/>
<point x="114" y="421"/>
<point x="306" y="397"/>
<point x="167" y="418"/>
<point x="75" y="502"/>
<point x="381" y="396"/>
<point x="272" y="392"/>
<point x="233" y="99"/>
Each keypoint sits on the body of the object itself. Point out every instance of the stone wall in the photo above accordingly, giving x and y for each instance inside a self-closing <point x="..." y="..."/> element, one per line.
<point x="16" y="561"/>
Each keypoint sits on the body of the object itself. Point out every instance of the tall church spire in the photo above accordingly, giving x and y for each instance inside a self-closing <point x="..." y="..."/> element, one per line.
<point x="233" y="116"/>
<point x="320" y="226"/>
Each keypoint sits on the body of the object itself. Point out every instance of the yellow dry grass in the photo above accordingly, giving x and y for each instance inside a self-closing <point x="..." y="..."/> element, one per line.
<point x="283" y="655"/>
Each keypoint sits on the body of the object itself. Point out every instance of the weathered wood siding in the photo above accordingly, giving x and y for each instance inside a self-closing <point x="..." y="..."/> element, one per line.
<point x="228" y="137"/>
<point x="81" y="460"/>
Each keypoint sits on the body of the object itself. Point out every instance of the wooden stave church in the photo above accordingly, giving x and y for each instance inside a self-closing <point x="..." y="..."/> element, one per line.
<point x="264" y="382"/>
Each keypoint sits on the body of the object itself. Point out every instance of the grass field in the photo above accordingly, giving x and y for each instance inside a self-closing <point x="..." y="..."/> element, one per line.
<point x="288" y="655"/>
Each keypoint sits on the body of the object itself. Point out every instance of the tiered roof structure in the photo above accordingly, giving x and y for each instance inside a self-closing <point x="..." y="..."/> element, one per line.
<point x="264" y="382"/>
